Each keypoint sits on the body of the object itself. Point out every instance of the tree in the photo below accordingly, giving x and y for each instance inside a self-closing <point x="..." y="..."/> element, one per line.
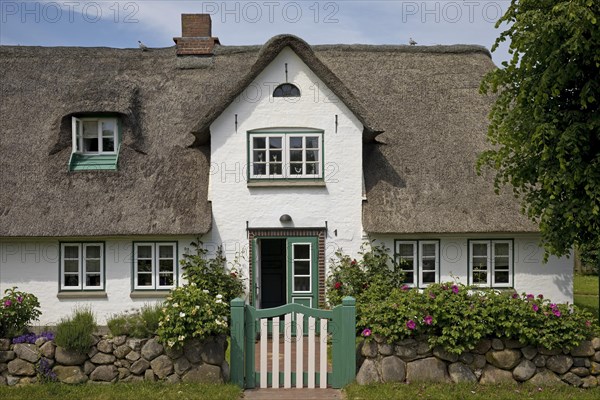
<point x="545" y="122"/>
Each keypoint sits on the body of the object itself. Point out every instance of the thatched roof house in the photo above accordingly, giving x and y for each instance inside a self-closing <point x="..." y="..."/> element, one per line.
<point x="419" y="172"/>
<point x="114" y="161"/>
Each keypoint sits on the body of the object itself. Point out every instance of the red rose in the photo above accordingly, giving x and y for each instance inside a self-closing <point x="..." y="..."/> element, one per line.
<point x="337" y="285"/>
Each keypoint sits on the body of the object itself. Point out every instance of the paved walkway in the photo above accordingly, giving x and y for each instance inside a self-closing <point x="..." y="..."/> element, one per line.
<point x="292" y="394"/>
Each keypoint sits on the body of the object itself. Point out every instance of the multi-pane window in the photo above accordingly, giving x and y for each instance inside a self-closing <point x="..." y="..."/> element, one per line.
<point x="419" y="260"/>
<point x="82" y="266"/>
<point x="94" y="135"/>
<point x="301" y="262"/>
<point x="491" y="262"/>
<point x="155" y="265"/>
<point x="406" y="259"/>
<point x="291" y="155"/>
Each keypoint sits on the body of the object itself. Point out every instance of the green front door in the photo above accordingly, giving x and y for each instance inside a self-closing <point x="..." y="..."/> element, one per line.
<point x="302" y="271"/>
<point x="285" y="270"/>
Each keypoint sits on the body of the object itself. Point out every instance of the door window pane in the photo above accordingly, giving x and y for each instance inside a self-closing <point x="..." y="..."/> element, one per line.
<point x="301" y="267"/>
<point x="301" y="284"/>
<point x="302" y="251"/>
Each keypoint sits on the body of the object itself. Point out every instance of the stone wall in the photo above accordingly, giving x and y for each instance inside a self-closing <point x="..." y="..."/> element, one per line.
<point x="492" y="361"/>
<point x="118" y="359"/>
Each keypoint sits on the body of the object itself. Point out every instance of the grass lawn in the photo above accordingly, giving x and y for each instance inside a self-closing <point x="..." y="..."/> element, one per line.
<point x="585" y="289"/>
<point x="466" y="391"/>
<point x="122" y="391"/>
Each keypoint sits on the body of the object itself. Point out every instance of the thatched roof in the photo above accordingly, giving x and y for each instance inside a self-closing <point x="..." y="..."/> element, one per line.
<point x="424" y="99"/>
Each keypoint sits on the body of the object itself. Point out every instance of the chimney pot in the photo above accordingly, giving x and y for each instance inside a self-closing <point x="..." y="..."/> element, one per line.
<point x="196" y="36"/>
<point x="196" y="25"/>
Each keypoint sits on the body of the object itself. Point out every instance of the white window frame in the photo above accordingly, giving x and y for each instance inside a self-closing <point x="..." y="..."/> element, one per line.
<point x="285" y="151"/>
<point x="510" y="263"/>
<point x="77" y="135"/>
<point x="491" y="260"/>
<point x="436" y="256"/>
<point x="81" y="271"/>
<point x="310" y="267"/>
<point x="155" y="264"/>
<point x="415" y="262"/>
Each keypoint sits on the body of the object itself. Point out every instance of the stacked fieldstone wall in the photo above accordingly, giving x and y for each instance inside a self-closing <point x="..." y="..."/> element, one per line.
<point x="492" y="361"/>
<point x="114" y="359"/>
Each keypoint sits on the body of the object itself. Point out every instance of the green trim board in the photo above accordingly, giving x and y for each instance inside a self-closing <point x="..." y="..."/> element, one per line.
<point x="95" y="162"/>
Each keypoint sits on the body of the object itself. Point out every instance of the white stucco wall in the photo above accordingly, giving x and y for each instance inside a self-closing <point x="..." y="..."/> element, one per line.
<point x="338" y="203"/>
<point x="554" y="279"/>
<point x="33" y="266"/>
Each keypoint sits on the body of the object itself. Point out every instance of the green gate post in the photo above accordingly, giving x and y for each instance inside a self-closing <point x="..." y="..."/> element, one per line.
<point x="344" y="343"/>
<point x="348" y="327"/>
<point x="237" y="342"/>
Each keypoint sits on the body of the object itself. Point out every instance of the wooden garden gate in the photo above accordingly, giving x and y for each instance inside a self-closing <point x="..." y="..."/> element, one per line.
<point x="308" y="330"/>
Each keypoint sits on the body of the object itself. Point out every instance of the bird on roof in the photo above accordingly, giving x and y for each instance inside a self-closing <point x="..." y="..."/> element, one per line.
<point x="412" y="42"/>
<point x="142" y="46"/>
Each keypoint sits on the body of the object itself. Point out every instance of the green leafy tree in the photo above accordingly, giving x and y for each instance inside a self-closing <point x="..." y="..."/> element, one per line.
<point x="545" y="123"/>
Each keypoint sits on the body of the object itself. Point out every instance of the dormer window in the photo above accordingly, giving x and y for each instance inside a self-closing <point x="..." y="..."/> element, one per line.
<point x="286" y="90"/>
<point x="94" y="135"/>
<point x="95" y="143"/>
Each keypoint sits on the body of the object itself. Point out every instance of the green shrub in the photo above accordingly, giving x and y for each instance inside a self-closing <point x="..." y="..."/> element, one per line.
<point x="142" y="323"/>
<point x="200" y="308"/>
<point x="17" y="310"/>
<point x="212" y="274"/>
<point x="457" y="317"/>
<point x="192" y="312"/>
<point x="75" y="333"/>
<point x="351" y="277"/>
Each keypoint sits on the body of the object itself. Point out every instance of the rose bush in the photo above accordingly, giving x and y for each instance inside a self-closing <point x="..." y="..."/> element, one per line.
<point x="17" y="310"/>
<point x="374" y="269"/>
<point x="457" y="317"/>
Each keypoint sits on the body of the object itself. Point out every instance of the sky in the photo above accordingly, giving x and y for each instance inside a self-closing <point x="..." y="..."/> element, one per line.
<point x="121" y="24"/>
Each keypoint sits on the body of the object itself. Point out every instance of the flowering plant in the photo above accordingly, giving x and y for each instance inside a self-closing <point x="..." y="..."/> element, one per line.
<point x="352" y="277"/>
<point x="31" y="338"/>
<point x="192" y="312"/>
<point x="457" y="317"/>
<point x="17" y="310"/>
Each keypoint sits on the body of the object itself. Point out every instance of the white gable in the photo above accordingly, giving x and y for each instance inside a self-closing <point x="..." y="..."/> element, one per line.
<point x="336" y="201"/>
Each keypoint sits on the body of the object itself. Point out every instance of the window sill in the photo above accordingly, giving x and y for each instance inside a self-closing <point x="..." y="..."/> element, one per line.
<point x="286" y="183"/>
<point x="149" y="294"/>
<point x="85" y="294"/>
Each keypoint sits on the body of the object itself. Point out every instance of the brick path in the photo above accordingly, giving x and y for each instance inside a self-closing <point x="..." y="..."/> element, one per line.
<point x="292" y="394"/>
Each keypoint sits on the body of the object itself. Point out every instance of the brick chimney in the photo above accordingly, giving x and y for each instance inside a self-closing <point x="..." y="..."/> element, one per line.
<point x="196" y="36"/>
